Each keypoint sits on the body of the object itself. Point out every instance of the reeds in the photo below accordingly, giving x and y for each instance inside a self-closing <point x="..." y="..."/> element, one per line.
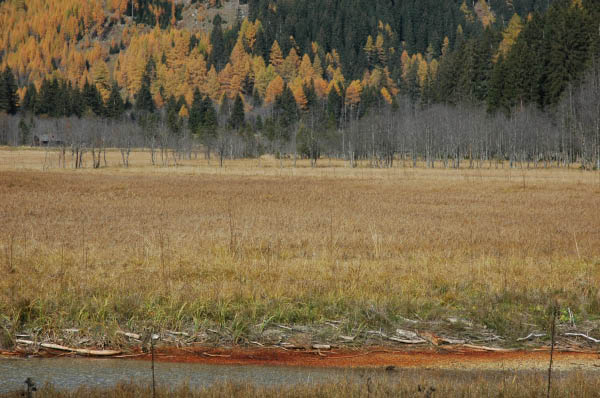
<point x="186" y="248"/>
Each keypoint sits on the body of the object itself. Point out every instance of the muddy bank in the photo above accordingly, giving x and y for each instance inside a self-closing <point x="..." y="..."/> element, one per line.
<point x="448" y="357"/>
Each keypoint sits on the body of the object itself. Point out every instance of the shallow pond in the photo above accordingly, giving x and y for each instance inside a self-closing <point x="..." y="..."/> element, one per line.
<point x="70" y="373"/>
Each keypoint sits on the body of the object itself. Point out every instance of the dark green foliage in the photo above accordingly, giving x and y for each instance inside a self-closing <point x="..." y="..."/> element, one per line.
<point x="218" y="55"/>
<point x="504" y="9"/>
<point x="571" y="31"/>
<point x="310" y="94"/>
<point x="236" y="121"/>
<point x="196" y="118"/>
<point x="57" y="98"/>
<point x="115" y="107"/>
<point x="173" y="120"/>
<point x="29" y="100"/>
<point x="114" y="49"/>
<point x="210" y="123"/>
<point x="142" y="13"/>
<point x="91" y="98"/>
<point x="8" y="92"/>
<point x="143" y="99"/>
<point x="496" y="100"/>
<point x="285" y="109"/>
<point x="411" y="85"/>
<point x="203" y="120"/>
<point x="344" y="25"/>
<point x="551" y="52"/>
<point x="334" y="105"/>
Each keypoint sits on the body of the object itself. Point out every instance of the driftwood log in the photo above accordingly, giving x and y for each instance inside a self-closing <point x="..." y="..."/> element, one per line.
<point x="80" y="351"/>
<point x="585" y="336"/>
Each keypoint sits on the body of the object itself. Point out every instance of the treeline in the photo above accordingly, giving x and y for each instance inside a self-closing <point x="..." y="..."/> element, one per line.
<point x="396" y="135"/>
<point x="59" y="98"/>
<point x="235" y="95"/>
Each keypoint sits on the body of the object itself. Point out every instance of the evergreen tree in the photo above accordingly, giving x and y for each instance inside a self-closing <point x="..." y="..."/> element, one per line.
<point x="218" y="56"/>
<point x="570" y="38"/>
<point x="92" y="99"/>
<point x="29" y="100"/>
<point x="285" y="107"/>
<point x="334" y="105"/>
<point x="76" y="102"/>
<point x="115" y="107"/>
<point x="197" y="111"/>
<point x="62" y="106"/>
<point x="45" y="99"/>
<point x="209" y="124"/>
<point x="143" y="98"/>
<point x="8" y="92"/>
<point x="496" y="99"/>
<point x="173" y="119"/>
<point x="236" y="121"/>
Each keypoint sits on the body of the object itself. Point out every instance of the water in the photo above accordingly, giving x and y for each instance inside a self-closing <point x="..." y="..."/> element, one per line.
<point x="70" y="373"/>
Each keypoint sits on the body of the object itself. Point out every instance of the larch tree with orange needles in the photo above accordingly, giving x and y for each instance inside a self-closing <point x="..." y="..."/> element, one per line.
<point x="275" y="56"/>
<point x="274" y="89"/>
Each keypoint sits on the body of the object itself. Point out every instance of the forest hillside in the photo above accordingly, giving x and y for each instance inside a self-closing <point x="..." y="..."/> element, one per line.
<point x="277" y="69"/>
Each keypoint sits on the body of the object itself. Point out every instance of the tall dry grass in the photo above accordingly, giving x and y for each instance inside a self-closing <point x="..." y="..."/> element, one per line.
<point x="252" y="245"/>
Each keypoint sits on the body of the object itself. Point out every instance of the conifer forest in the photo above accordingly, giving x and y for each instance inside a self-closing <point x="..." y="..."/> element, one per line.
<point x="383" y="81"/>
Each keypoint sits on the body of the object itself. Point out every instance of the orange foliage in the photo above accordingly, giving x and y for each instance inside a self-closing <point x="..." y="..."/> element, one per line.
<point x="275" y="57"/>
<point x="353" y="93"/>
<point x="321" y="87"/>
<point x="300" y="97"/>
<point x="386" y="95"/>
<point x="274" y="89"/>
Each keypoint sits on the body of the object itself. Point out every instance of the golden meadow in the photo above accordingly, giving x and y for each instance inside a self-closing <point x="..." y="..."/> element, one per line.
<point x="259" y="243"/>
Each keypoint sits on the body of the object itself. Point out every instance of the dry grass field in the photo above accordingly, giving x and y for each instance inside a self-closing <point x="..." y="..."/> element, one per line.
<point x="251" y="245"/>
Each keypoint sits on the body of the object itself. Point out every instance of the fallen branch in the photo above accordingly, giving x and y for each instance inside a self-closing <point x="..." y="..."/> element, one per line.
<point x="530" y="335"/>
<point x="130" y="335"/>
<point x="585" y="336"/>
<point x="216" y="355"/>
<point x="178" y="333"/>
<point x="485" y="348"/>
<point x="407" y="341"/>
<point x="451" y="341"/>
<point x="129" y="356"/>
<point x="407" y="334"/>
<point x="80" y="351"/>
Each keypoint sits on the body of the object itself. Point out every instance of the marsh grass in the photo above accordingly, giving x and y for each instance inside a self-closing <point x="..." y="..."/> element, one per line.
<point x="246" y="247"/>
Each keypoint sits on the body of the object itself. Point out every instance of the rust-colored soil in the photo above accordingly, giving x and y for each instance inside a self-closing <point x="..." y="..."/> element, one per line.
<point x="448" y="357"/>
<point x="453" y="358"/>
